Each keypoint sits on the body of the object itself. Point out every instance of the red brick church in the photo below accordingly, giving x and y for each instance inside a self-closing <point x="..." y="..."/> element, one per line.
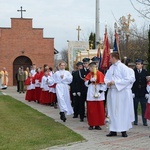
<point x="23" y="45"/>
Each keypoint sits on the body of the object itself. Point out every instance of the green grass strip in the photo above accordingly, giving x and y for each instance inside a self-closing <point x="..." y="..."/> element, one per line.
<point x="23" y="128"/>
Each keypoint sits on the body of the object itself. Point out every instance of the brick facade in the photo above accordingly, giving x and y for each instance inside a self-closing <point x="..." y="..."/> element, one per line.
<point x="23" y="40"/>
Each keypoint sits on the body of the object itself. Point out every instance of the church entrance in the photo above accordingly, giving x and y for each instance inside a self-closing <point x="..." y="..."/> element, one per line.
<point x="20" y="61"/>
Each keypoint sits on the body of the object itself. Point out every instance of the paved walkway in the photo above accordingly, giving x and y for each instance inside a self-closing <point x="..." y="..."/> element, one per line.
<point x="138" y="137"/>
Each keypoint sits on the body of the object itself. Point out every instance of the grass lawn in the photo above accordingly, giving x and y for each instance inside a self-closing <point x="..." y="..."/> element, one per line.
<point x="23" y="128"/>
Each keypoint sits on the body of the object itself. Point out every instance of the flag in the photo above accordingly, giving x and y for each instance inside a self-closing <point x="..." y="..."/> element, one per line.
<point x="106" y="53"/>
<point x="116" y="44"/>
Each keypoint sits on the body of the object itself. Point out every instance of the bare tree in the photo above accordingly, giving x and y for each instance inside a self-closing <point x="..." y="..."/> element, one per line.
<point x="144" y="11"/>
<point x="64" y="55"/>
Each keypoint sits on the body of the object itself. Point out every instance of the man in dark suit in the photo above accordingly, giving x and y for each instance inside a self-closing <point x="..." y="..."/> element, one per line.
<point x="139" y="90"/>
<point x="82" y="88"/>
<point x="75" y="89"/>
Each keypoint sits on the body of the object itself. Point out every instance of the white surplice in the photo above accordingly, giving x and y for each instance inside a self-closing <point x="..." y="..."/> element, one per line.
<point x="92" y="89"/>
<point x="51" y="82"/>
<point x="44" y="83"/>
<point x="119" y="97"/>
<point x="62" y="91"/>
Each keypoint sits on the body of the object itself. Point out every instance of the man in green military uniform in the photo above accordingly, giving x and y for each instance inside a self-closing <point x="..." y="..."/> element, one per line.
<point x="21" y="79"/>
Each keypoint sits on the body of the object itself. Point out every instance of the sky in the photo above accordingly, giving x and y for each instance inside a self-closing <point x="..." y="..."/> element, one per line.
<point x="60" y="18"/>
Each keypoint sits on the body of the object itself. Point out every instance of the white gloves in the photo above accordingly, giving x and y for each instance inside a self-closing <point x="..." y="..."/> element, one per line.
<point x="74" y="94"/>
<point x="92" y="79"/>
<point x="133" y="95"/>
<point x="78" y="93"/>
<point x="146" y="96"/>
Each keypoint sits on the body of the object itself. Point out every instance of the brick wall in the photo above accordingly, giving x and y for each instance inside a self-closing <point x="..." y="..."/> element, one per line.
<point x="23" y="40"/>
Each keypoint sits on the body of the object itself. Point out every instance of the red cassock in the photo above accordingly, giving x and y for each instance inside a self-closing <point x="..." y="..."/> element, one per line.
<point x="95" y="108"/>
<point x="44" y="97"/>
<point x="30" y="93"/>
<point x="52" y="94"/>
<point x="147" y="112"/>
<point x="38" y="77"/>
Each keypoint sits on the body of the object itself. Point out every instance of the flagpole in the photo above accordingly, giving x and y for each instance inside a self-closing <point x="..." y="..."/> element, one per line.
<point x="117" y="39"/>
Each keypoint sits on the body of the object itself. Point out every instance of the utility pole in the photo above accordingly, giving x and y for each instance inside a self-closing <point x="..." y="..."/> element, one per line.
<point x="97" y="31"/>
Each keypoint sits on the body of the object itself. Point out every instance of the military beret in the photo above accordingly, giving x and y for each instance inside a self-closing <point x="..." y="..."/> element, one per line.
<point x="86" y="60"/>
<point x="95" y="59"/>
<point x="139" y="61"/>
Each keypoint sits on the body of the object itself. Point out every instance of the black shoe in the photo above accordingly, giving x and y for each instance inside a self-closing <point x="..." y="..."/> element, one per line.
<point x="62" y="116"/>
<point x="81" y="120"/>
<point x="90" y="128"/>
<point x="124" y="134"/>
<point x="98" y="128"/>
<point x="135" y="123"/>
<point x="145" y="124"/>
<point x="111" y="133"/>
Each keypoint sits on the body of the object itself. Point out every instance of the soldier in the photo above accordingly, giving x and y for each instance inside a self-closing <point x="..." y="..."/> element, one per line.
<point x="139" y="90"/>
<point x="21" y="79"/>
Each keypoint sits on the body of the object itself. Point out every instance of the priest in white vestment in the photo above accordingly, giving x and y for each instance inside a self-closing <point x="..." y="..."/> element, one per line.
<point x="119" y="80"/>
<point x="63" y="78"/>
<point x="3" y="78"/>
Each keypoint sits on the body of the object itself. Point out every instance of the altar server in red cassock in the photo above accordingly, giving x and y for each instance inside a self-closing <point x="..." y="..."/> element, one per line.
<point x="29" y="82"/>
<point x="52" y="89"/>
<point x="44" y="97"/>
<point x="95" y="97"/>
<point x="37" y="79"/>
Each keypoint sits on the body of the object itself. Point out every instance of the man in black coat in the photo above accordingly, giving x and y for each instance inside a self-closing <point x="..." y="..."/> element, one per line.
<point x="82" y="89"/>
<point x="139" y="90"/>
<point x="75" y="89"/>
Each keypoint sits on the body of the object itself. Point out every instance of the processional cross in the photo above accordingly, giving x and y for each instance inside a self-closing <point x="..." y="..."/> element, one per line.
<point x="78" y="29"/>
<point x="21" y="11"/>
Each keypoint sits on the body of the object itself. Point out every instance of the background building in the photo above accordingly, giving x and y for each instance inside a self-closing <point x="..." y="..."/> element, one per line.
<point x="22" y="45"/>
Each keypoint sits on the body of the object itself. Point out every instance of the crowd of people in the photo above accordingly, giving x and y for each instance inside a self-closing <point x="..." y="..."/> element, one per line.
<point x="89" y="92"/>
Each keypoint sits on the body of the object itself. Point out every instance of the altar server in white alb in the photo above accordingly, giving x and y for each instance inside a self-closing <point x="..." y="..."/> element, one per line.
<point x="118" y="79"/>
<point x="62" y="79"/>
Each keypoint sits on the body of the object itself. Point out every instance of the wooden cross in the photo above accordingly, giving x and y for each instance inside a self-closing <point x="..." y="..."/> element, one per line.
<point x="78" y="29"/>
<point x="21" y="11"/>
